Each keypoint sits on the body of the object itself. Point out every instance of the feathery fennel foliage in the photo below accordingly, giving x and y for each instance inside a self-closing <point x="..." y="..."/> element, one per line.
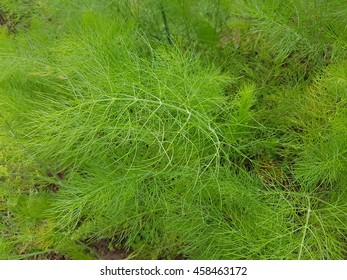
<point x="173" y="129"/>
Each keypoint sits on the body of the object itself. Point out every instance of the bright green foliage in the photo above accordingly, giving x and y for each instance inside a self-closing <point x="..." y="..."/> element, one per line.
<point x="173" y="129"/>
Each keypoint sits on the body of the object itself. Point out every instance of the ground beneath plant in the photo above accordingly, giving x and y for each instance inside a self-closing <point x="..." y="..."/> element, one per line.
<point x="104" y="251"/>
<point x="50" y="256"/>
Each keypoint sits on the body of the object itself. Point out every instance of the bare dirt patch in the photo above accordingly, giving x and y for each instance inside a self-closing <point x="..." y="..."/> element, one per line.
<point x="50" y="256"/>
<point x="104" y="250"/>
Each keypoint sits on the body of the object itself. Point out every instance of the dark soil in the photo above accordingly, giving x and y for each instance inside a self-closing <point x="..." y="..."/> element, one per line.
<point x="2" y="18"/>
<point x="54" y="187"/>
<point x="13" y="22"/>
<point x="105" y="251"/>
<point x="50" y="256"/>
<point x="7" y="21"/>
